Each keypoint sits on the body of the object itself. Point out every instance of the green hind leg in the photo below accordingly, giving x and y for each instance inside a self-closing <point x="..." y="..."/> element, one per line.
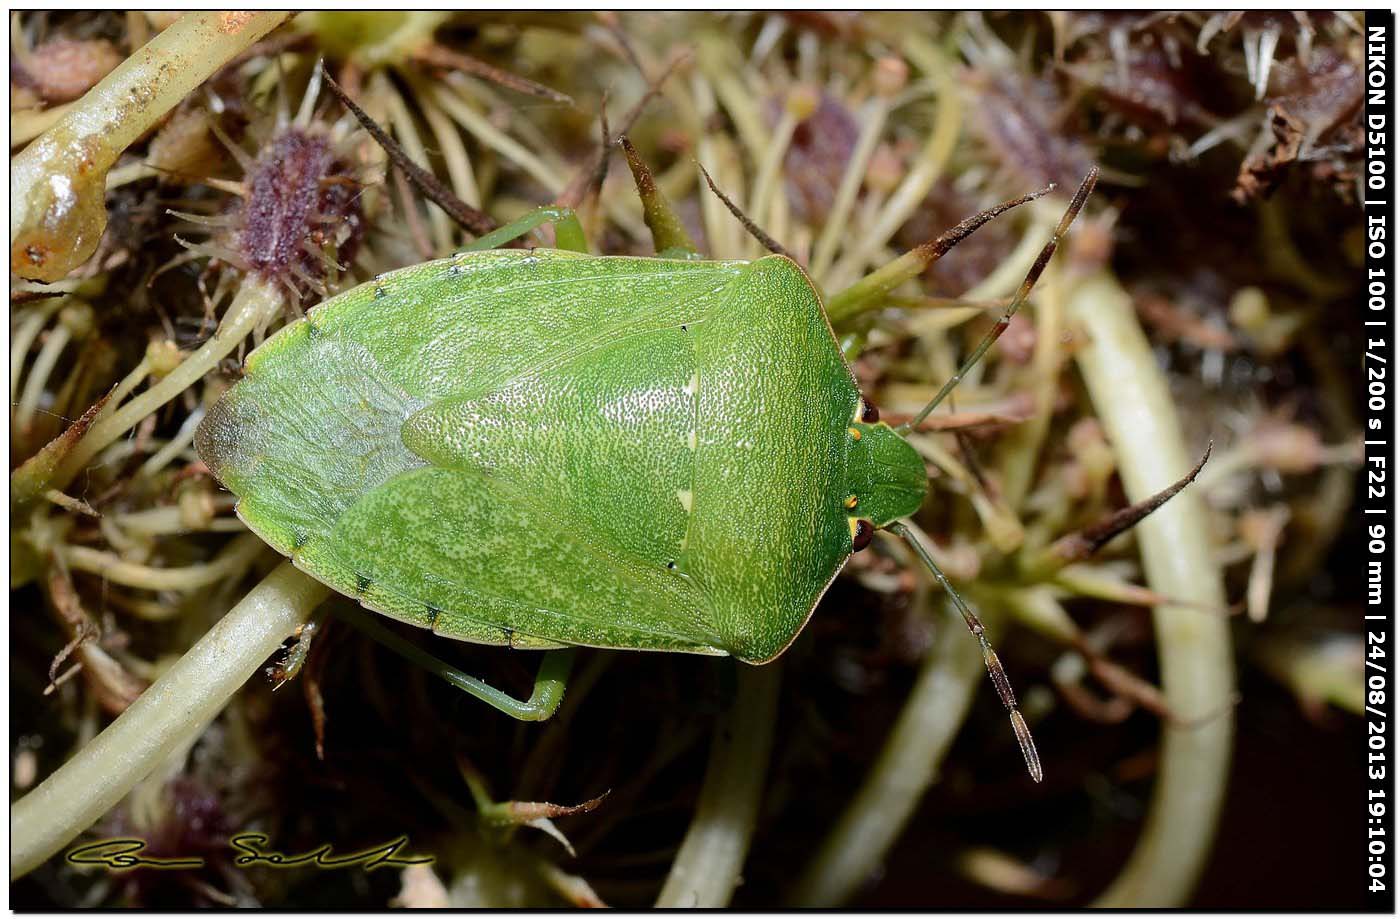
<point x="568" y="232"/>
<point x="549" y="680"/>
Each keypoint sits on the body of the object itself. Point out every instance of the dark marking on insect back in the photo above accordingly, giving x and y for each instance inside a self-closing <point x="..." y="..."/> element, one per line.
<point x="869" y="413"/>
<point x="865" y="532"/>
<point x="362" y="584"/>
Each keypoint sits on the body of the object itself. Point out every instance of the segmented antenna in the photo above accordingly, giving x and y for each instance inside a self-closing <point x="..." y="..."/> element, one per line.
<point x="1085" y="188"/>
<point x="974" y="625"/>
<point x="989" y="656"/>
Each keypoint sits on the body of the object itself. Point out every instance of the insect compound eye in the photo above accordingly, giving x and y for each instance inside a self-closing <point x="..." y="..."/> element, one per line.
<point x="869" y="413"/>
<point x="864" y="533"/>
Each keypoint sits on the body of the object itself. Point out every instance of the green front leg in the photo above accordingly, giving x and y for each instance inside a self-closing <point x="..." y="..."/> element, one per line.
<point x="568" y="232"/>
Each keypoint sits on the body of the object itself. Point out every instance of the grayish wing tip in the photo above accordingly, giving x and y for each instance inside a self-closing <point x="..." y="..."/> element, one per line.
<point x="220" y="437"/>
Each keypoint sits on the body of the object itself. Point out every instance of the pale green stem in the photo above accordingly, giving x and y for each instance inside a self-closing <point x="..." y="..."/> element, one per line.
<point x="125" y="387"/>
<point x="1003" y="526"/>
<point x="257" y="301"/>
<point x="181" y="441"/>
<point x="25" y="332"/>
<point x="152" y="610"/>
<point x="162" y="521"/>
<point x="236" y="556"/>
<point x="27" y="124"/>
<point x="1318" y="670"/>
<point x="175" y="708"/>
<point x="907" y="766"/>
<point x="1004" y="280"/>
<point x="53" y="346"/>
<point x="707" y="867"/>
<point x="1132" y="400"/>
<point x="117" y="538"/>
<point x="131" y="172"/>
<point x="175" y="526"/>
<point x="1039" y="608"/>
<point x="69" y="503"/>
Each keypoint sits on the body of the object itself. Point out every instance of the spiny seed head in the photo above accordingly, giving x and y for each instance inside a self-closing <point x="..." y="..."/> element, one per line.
<point x="302" y="208"/>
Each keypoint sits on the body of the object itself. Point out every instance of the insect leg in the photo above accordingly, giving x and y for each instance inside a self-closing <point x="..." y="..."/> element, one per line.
<point x="549" y="680"/>
<point x="989" y="656"/>
<point x="1022" y="292"/>
<point x="295" y="657"/>
<point x="568" y="232"/>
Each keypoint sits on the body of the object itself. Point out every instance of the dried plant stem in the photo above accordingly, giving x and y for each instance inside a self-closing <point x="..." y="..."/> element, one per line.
<point x="1132" y="400"/>
<point x="706" y="869"/>
<point x="906" y="767"/>
<point x="407" y="134"/>
<point x="873" y="117"/>
<point x="257" y="301"/>
<point x="923" y="171"/>
<point x="722" y="70"/>
<point x="1020" y="456"/>
<point x="770" y="166"/>
<point x="451" y="148"/>
<point x="175" y="709"/>
<point x="452" y="98"/>
<point x="722" y="233"/>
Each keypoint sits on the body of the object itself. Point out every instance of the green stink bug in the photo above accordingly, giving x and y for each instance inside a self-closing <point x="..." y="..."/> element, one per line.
<point x="547" y="449"/>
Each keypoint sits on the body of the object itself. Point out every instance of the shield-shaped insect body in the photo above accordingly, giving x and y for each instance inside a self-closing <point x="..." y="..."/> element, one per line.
<point x="542" y="449"/>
